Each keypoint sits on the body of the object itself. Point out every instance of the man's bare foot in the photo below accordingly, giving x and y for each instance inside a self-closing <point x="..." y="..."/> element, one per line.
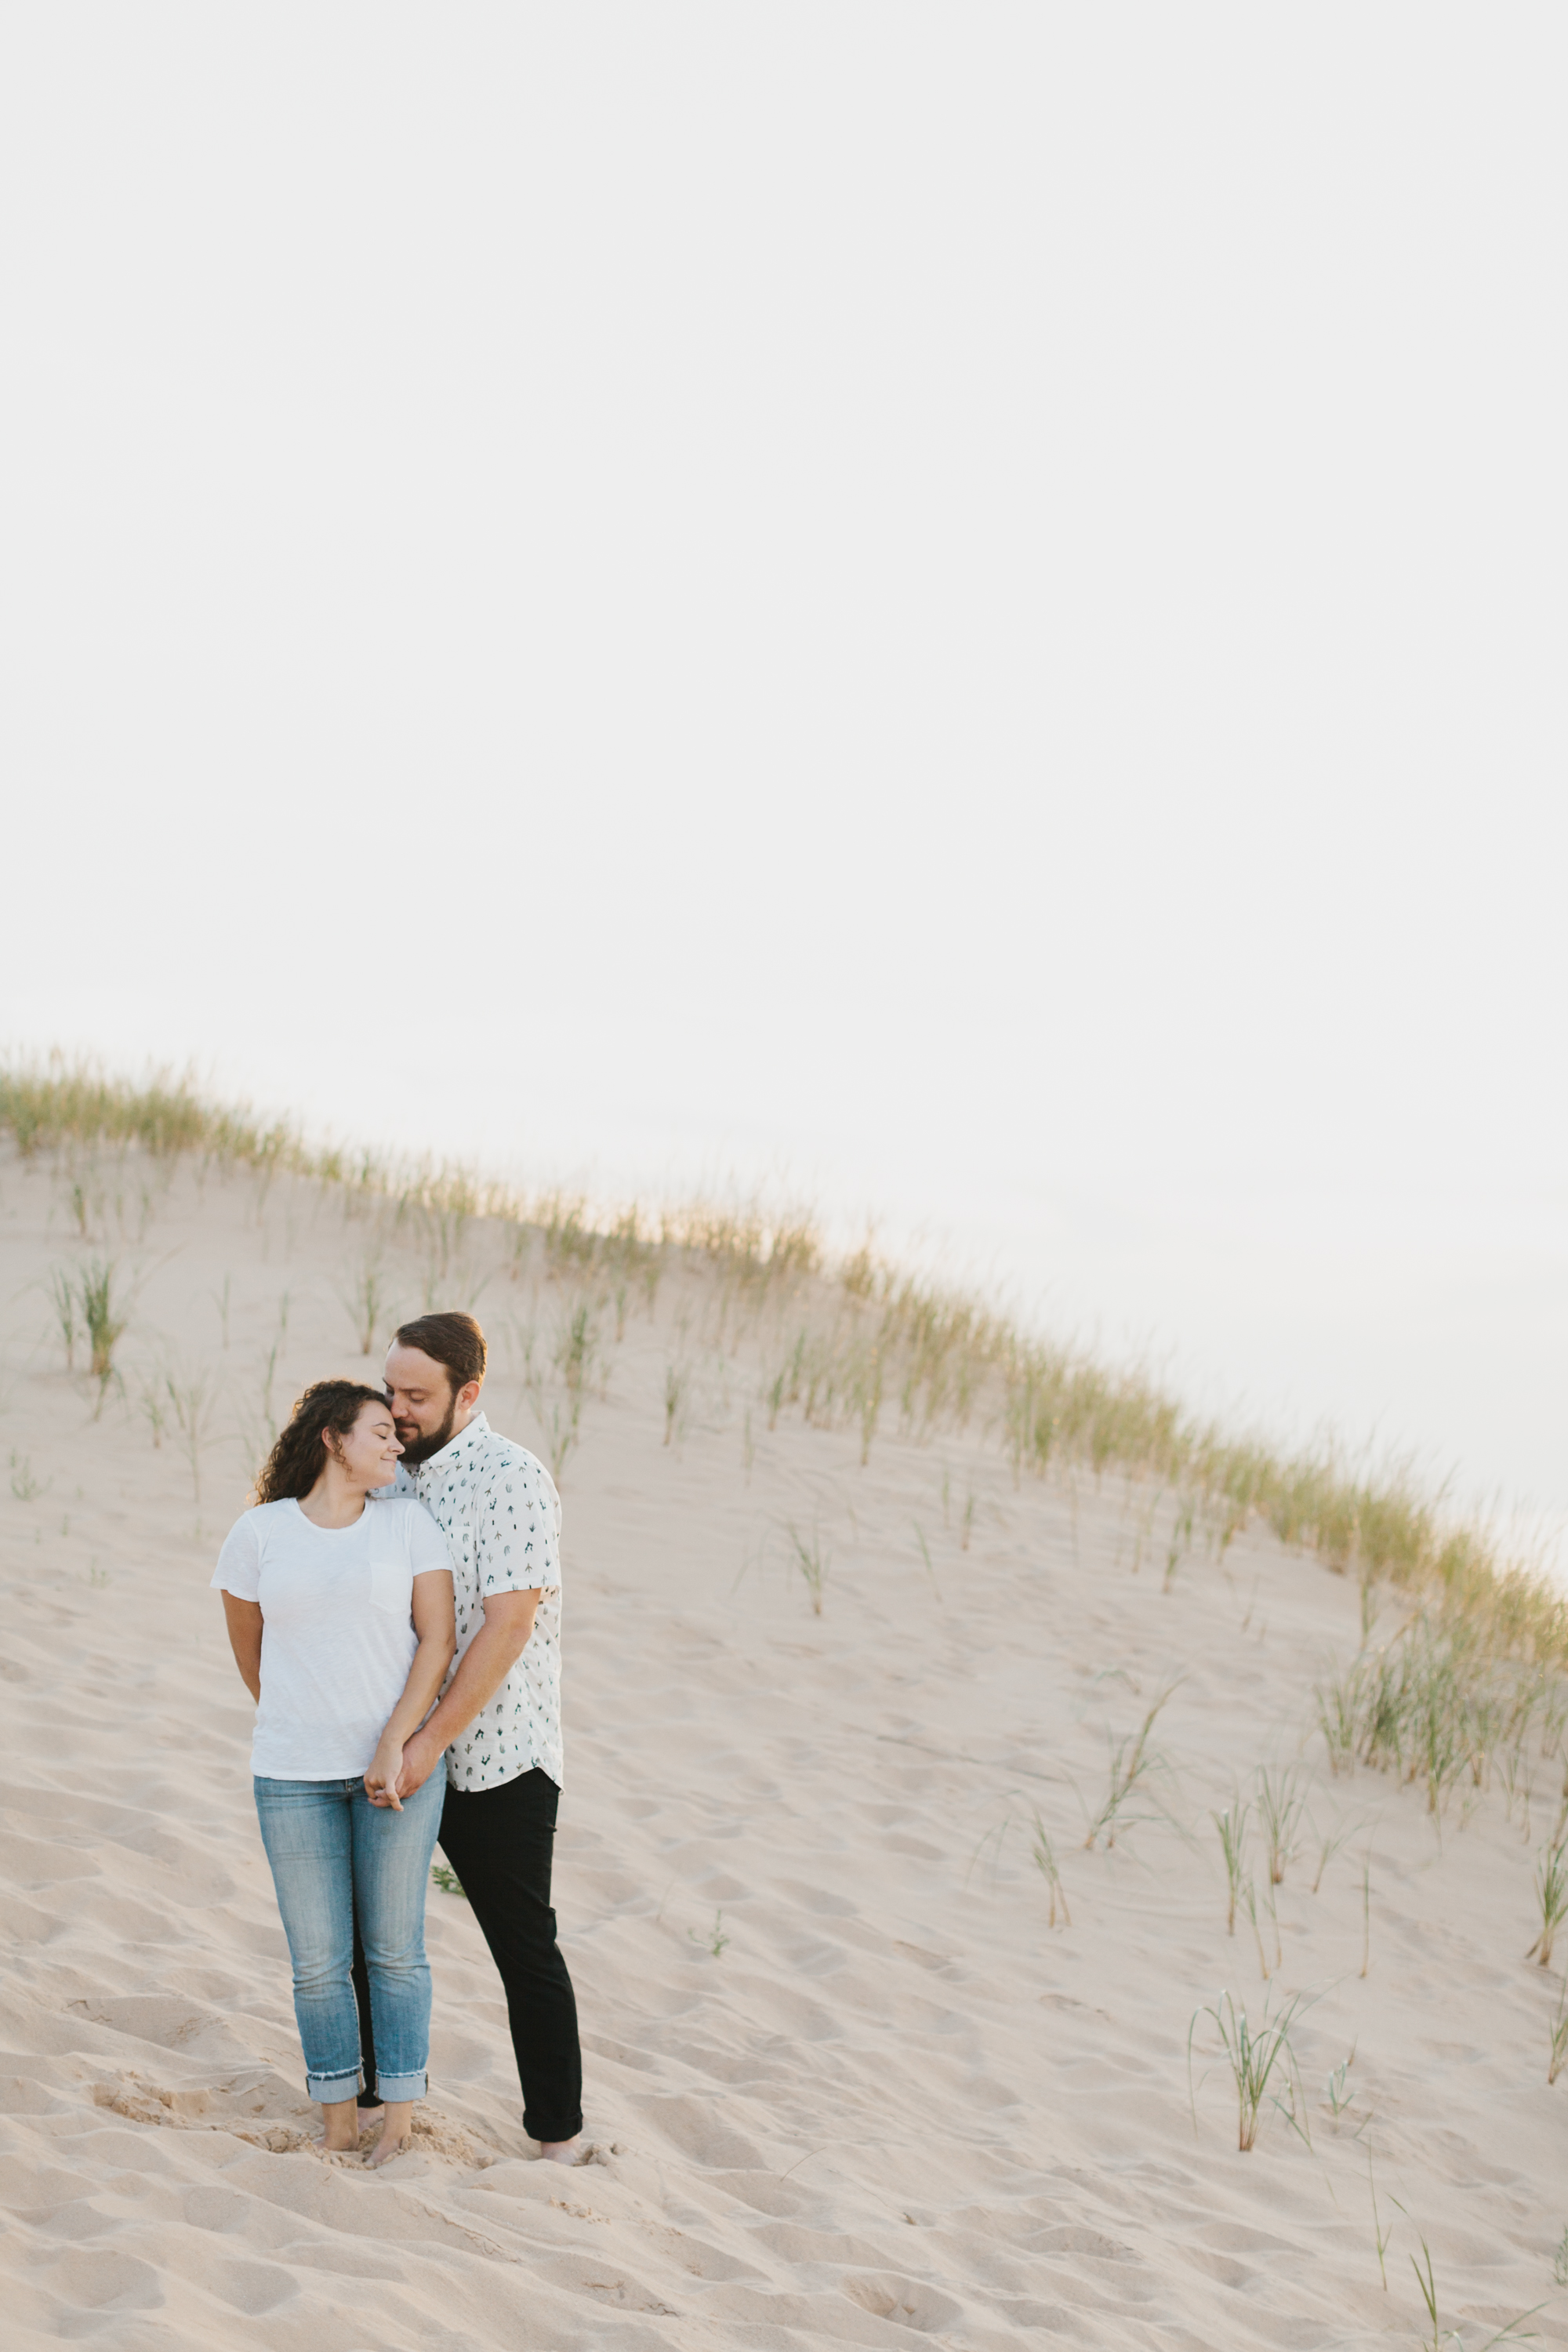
<point x="397" y="2132"/>
<point x="340" y="2127"/>
<point x="561" y="2151"/>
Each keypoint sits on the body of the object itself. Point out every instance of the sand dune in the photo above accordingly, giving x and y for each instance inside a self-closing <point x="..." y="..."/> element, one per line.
<point x="844" y="2083"/>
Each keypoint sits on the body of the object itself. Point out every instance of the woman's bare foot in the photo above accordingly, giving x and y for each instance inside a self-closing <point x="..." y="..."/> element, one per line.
<point x="561" y="2151"/>
<point x="397" y="2132"/>
<point x="341" y="2132"/>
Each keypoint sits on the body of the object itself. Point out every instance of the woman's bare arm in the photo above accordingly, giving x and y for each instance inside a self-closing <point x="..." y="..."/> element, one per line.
<point x="435" y="1622"/>
<point x="243" y="1619"/>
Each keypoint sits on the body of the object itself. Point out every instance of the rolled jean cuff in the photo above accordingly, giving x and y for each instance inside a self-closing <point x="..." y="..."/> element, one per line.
<point x="400" y="2086"/>
<point x="330" y="2088"/>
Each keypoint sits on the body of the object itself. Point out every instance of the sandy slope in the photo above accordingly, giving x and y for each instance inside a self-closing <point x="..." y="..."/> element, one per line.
<point x="896" y="2108"/>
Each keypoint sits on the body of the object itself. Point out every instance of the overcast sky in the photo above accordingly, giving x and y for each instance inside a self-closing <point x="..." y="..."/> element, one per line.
<point x="960" y="609"/>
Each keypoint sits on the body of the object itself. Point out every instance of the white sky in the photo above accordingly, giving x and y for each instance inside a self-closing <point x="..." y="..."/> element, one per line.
<point x="959" y="607"/>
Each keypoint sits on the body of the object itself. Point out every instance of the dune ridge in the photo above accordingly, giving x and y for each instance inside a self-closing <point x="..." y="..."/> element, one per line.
<point x="868" y="1333"/>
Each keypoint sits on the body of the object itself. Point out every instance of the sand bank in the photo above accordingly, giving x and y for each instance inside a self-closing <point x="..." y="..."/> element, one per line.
<point x="845" y="2082"/>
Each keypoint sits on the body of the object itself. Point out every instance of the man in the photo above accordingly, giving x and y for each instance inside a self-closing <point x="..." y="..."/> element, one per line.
<point x="499" y="1716"/>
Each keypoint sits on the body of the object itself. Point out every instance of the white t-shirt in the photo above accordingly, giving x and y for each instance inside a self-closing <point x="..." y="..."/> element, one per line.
<point x="337" y="1632"/>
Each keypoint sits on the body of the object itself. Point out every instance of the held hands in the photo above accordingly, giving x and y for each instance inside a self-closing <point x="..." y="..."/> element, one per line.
<point x="385" y="1772"/>
<point x="396" y="1772"/>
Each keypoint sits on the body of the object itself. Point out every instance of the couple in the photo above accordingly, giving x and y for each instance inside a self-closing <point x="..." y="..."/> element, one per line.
<point x="394" y="1594"/>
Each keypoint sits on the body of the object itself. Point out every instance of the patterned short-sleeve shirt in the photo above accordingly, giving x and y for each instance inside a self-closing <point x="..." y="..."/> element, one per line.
<point x="496" y="1506"/>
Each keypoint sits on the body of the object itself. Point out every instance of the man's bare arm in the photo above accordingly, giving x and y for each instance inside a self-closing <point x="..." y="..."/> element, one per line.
<point x="486" y="1663"/>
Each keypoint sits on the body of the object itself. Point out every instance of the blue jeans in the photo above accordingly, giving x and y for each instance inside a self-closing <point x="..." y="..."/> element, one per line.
<point x="333" y="1853"/>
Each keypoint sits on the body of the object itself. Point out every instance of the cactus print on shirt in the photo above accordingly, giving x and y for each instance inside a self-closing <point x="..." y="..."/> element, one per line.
<point x="496" y="1506"/>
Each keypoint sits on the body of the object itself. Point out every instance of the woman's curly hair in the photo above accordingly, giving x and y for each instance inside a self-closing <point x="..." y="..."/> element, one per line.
<point x="295" y="1463"/>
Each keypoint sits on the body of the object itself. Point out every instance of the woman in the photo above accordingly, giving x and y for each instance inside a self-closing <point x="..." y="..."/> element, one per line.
<point x="342" y="1624"/>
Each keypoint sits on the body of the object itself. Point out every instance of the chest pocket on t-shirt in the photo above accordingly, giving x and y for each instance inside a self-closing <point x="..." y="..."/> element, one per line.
<point x="390" y="1587"/>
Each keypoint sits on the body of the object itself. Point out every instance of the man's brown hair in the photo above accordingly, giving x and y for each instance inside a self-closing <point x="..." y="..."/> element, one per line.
<point x="454" y="1341"/>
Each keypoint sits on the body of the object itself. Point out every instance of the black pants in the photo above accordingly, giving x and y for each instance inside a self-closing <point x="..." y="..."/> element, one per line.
<point x="501" y="1842"/>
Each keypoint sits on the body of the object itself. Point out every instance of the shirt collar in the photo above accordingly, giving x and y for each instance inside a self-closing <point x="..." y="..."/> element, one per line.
<point x="439" y="1463"/>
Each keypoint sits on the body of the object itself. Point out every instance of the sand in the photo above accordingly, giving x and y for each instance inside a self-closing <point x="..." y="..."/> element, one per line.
<point x="844" y="2083"/>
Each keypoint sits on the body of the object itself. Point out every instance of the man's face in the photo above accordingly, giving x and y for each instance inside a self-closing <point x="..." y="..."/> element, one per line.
<point x="424" y="1403"/>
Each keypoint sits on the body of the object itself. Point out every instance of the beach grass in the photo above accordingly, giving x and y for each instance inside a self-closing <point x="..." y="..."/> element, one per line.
<point x="1454" y="1693"/>
<point x="813" y="1563"/>
<point x="1133" y="1763"/>
<point x="193" y="1394"/>
<point x="1512" y="2332"/>
<point x="1281" y="1800"/>
<point x="1559" y="2050"/>
<point x="1231" y="1825"/>
<point x="1551" y="1900"/>
<point x="1043" y="1856"/>
<point x="1255" y="2055"/>
<point x="871" y="1343"/>
<point x="365" y="1301"/>
<point x="63" y="1298"/>
<point x="714" y="1939"/>
<point x="25" y="1486"/>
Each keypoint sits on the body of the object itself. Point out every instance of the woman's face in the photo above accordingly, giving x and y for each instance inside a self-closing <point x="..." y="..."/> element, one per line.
<point x="369" y="1453"/>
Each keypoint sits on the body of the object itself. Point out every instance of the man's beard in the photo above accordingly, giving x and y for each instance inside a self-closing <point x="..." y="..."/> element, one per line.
<point x="419" y="1449"/>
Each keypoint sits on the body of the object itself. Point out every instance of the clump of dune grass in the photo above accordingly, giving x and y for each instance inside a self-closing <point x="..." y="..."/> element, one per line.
<point x="1255" y="2055"/>
<point x="556" y="1390"/>
<point x="1280" y="1803"/>
<point x="675" y="1386"/>
<point x="153" y="1403"/>
<point x="813" y="1562"/>
<point x="365" y="1299"/>
<point x="577" y="1355"/>
<point x="1133" y="1761"/>
<point x="1232" y="1826"/>
<point x="1329" y="1843"/>
<point x="1337" y="1703"/>
<point x="1449" y="1697"/>
<point x="1269" y="1908"/>
<point x="1043" y="1856"/>
<point x="1559" y="2050"/>
<point x="1552" y="1901"/>
<point x="1180" y="1541"/>
<point x="81" y="1209"/>
<point x="714" y="1939"/>
<point x="560" y="1418"/>
<point x="103" y="1319"/>
<point x="1381" y="2236"/>
<point x="63" y="1298"/>
<point x="193" y="1400"/>
<point x="925" y="1555"/>
<point x="258" y="1424"/>
<point x="25" y="1486"/>
<point x="1512" y="2332"/>
<point x="865" y="1389"/>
